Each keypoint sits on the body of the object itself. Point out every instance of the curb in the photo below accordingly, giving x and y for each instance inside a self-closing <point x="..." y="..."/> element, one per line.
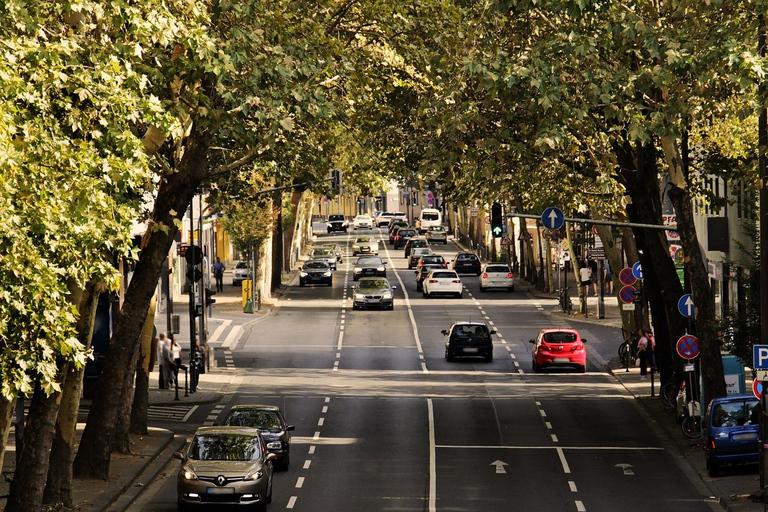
<point x="211" y="400"/>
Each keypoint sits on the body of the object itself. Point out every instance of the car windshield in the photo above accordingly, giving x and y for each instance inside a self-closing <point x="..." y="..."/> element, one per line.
<point x="736" y="414"/>
<point x="432" y="259"/>
<point x="444" y="275"/>
<point x="470" y="330"/>
<point x="315" y="265"/>
<point x="363" y="217"/>
<point x="559" y="337"/>
<point x="225" y="447"/>
<point x="336" y="217"/>
<point x="241" y="264"/>
<point x="330" y="247"/>
<point x="264" y="420"/>
<point x="497" y="268"/>
<point x="321" y="252"/>
<point x="363" y="240"/>
<point x="373" y="284"/>
<point x="430" y="216"/>
<point x="368" y="262"/>
<point x="418" y="243"/>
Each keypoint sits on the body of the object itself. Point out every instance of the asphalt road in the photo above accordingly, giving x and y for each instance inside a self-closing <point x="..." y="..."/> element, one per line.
<point x="384" y="423"/>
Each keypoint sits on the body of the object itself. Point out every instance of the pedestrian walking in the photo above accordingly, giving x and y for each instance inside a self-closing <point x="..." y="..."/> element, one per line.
<point x="608" y="278"/>
<point x="176" y="353"/>
<point x="159" y="358"/>
<point x="585" y="277"/>
<point x="646" y="346"/>
<point x="169" y="366"/>
<point x="218" y="274"/>
<point x="593" y="275"/>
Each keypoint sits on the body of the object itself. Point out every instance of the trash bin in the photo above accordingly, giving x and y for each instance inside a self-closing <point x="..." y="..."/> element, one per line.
<point x="248" y="308"/>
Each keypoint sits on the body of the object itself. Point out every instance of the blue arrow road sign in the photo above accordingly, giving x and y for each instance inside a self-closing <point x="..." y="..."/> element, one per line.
<point x="553" y="218"/>
<point x="760" y="357"/>
<point x="637" y="270"/>
<point x="685" y="305"/>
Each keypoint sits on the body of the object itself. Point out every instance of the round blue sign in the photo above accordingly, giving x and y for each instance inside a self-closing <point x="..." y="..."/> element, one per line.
<point x="637" y="270"/>
<point x="553" y="218"/>
<point x="688" y="346"/>
<point x="685" y="305"/>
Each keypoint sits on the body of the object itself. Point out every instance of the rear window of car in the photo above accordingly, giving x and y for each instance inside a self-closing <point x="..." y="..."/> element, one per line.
<point x="398" y="214"/>
<point x="430" y="216"/>
<point x="470" y="330"/>
<point x="559" y="337"/>
<point x="426" y="269"/>
<point x="321" y="252"/>
<point x="736" y="414"/>
<point x="406" y="232"/>
<point x="432" y="259"/>
<point x="445" y="275"/>
<point x="466" y="257"/>
<point x="497" y="268"/>
<point x="438" y="229"/>
<point x="265" y="420"/>
<point x="336" y="217"/>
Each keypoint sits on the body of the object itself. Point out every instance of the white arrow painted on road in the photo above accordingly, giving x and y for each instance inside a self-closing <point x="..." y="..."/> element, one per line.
<point x="499" y="466"/>
<point x="689" y="304"/>
<point x="625" y="468"/>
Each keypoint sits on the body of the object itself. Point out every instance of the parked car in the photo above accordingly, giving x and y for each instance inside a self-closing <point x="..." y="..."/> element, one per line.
<point x="432" y="259"/>
<point x="324" y="255"/>
<point x="337" y="222"/>
<point x="466" y="263"/>
<point x="442" y="282"/>
<point x="369" y="266"/>
<point x="416" y="254"/>
<point x="468" y="339"/>
<point x="731" y="428"/>
<point x="365" y="245"/>
<point x="335" y="249"/>
<point x="437" y="234"/>
<point x="422" y="272"/>
<point x="496" y="275"/>
<point x="271" y="423"/>
<point x="240" y="273"/>
<point x="383" y="219"/>
<point x="362" y="222"/>
<point x="559" y="348"/>
<point x="412" y="243"/>
<point x="402" y="236"/>
<point x="373" y="292"/>
<point x="315" y="272"/>
<point x="225" y="466"/>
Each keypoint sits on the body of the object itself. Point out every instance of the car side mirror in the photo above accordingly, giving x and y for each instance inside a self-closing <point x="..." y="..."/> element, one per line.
<point x="394" y="287"/>
<point x="383" y="262"/>
<point x="532" y="341"/>
<point x="178" y="455"/>
<point x="444" y="332"/>
<point x="493" y="331"/>
<point x="583" y="340"/>
<point x="290" y="427"/>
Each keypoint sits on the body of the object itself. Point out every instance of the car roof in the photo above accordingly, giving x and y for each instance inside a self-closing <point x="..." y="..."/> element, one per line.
<point x="733" y="398"/>
<point x="209" y="431"/>
<point x="469" y="322"/>
<point x="559" y="329"/>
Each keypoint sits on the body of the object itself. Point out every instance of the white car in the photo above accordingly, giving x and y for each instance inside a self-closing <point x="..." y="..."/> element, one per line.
<point x="365" y="245"/>
<point x="400" y="216"/>
<point x="240" y="273"/>
<point x="383" y="219"/>
<point x="495" y="275"/>
<point x="362" y="222"/>
<point x="442" y="281"/>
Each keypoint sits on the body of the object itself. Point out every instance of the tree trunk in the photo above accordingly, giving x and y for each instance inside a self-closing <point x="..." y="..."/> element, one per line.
<point x="32" y="468"/>
<point x="174" y="195"/>
<point x="291" y="231"/>
<point x="58" y="488"/>
<point x="140" y="405"/>
<point x="6" y="416"/>
<point x="662" y="287"/>
<point x="277" y="243"/>
<point x="121" y="439"/>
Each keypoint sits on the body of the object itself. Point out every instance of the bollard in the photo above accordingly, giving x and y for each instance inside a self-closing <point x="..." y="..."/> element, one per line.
<point x="186" y="387"/>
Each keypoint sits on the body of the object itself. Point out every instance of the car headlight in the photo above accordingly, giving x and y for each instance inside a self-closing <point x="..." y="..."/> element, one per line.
<point x="380" y="269"/>
<point x="256" y="474"/>
<point x="359" y="296"/>
<point x="189" y="473"/>
<point x="275" y="445"/>
<point x="355" y="247"/>
<point x="327" y="274"/>
<point x="387" y="295"/>
<point x="358" y="269"/>
<point x="303" y="274"/>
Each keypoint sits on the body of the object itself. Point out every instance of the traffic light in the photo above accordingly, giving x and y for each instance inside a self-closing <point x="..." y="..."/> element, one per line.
<point x="209" y="300"/>
<point x="194" y="258"/>
<point x="336" y="180"/>
<point x="497" y="220"/>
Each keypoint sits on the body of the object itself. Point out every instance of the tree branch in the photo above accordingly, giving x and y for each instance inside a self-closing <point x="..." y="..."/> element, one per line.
<point x="244" y="160"/>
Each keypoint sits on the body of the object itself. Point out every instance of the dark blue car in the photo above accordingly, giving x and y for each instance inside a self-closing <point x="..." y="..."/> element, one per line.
<point x="732" y="431"/>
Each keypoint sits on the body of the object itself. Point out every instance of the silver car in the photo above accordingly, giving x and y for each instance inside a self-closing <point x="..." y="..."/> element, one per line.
<point x="373" y="292"/>
<point x="335" y="249"/>
<point x="437" y="234"/>
<point x="365" y="245"/>
<point x="240" y="273"/>
<point x="325" y="255"/>
<point x="225" y="466"/>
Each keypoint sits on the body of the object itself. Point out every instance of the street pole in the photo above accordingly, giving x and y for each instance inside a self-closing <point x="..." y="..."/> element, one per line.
<point x="600" y="291"/>
<point x="762" y="148"/>
<point x="192" y="263"/>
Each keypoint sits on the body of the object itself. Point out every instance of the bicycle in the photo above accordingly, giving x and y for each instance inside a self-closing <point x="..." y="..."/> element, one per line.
<point x="628" y="349"/>
<point x="565" y="301"/>
<point x="691" y="424"/>
<point x="669" y="392"/>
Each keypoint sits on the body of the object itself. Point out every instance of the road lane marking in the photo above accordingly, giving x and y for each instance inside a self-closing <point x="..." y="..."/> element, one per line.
<point x="580" y="507"/>
<point x="432" y="458"/>
<point x="572" y="486"/>
<point x="548" y="425"/>
<point x="554" y="438"/>
<point x="193" y="409"/>
<point x="561" y="454"/>
<point x="215" y="336"/>
<point x="300" y="482"/>
<point x="320" y="422"/>
<point x="327" y="399"/>
<point x="291" y="502"/>
<point x="549" y="447"/>
<point x="233" y="336"/>
<point x="316" y="436"/>
<point x="325" y="409"/>
<point x="312" y="450"/>
<point x="543" y="414"/>
<point x="307" y="463"/>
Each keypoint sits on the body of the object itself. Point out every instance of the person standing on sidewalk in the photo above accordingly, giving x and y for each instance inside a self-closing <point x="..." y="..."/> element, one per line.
<point x="218" y="274"/>
<point x="169" y="367"/>
<point x="159" y="358"/>
<point x="176" y="353"/>
<point x="645" y="348"/>
<point x="585" y="277"/>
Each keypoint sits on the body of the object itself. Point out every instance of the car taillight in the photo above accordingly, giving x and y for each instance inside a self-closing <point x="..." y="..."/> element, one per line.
<point x="485" y="275"/>
<point x="510" y="275"/>
<point x="433" y="280"/>
<point x="445" y="265"/>
<point x="456" y="281"/>
<point x="577" y="347"/>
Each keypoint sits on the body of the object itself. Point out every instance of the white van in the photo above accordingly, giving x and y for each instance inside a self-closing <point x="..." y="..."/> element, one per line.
<point x="429" y="217"/>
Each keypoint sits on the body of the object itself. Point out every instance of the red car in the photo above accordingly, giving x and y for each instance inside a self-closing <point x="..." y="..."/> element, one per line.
<point x="559" y="348"/>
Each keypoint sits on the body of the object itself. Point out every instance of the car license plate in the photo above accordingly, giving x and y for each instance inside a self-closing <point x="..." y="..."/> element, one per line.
<point x="470" y="350"/>
<point x="220" y="490"/>
<point x="745" y="437"/>
<point x="373" y="300"/>
<point x="562" y="360"/>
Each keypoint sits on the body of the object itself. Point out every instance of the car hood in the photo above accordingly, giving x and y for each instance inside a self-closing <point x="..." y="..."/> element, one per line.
<point x="228" y="468"/>
<point x="272" y="435"/>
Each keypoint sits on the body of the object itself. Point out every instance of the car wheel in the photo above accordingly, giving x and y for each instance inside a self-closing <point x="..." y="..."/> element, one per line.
<point x="330" y="283"/>
<point x="285" y="463"/>
<point x="354" y="307"/>
<point x="583" y="368"/>
<point x="302" y="283"/>
<point x="489" y="358"/>
<point x="391" y="307"/>
<point x="459" y="295"/>
<point x="418" y="287"/>
<point x="511" y="288"/>
<point x="535" y="367"/>
<point x="448" y="357"/>
<point x="483" y="288"/>
<point x="478" y="273"/>
<point x="355" y="278"/>
<point x="424" y="293"/>
<point x="712" y="467"/>
<point x="260" y="507"/>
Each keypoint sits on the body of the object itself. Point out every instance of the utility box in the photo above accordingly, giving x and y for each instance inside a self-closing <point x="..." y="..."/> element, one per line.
<point x="246" y="291"/>
<point x="176" y="324"/>
<point x="733" y="368"/>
